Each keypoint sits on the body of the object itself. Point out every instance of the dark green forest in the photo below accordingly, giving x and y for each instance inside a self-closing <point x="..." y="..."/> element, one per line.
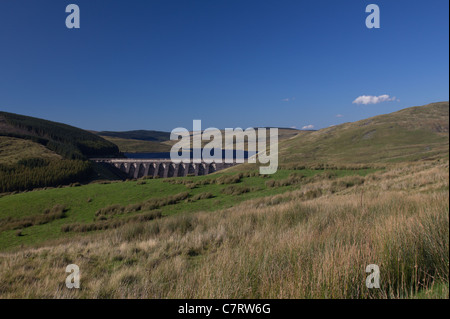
<point x="68" y="141"/>
<point x="36" y="173"/>
<point x="75" y="146"/>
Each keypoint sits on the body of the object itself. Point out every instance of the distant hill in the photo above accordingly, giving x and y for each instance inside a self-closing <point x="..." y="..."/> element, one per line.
<point x="139" y="146"/>
<point x="156" y="141"/>
<point x="415" y="133"/>
<point x="65" y="140"/>
<point x="141" y="135"/>
<point x="139" y="141"/>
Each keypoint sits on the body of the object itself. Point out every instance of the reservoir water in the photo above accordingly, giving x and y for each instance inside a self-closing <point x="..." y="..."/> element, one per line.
<point x="166" y="155"/>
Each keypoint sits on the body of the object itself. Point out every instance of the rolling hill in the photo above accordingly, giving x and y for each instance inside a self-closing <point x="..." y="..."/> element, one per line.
<point x="39" y="153"/>
<point x="141" y="135"/>
<point x="155" y="141"/>
<point x="12" y="150"/>
<point x="68" y="141"/>
<point x="414" y="133"/>
<point x="128" y="145"/>
<point x="33" y="152"/>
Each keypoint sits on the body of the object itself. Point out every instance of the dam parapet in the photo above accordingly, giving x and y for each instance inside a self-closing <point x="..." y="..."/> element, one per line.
<point x="163" y="168"/>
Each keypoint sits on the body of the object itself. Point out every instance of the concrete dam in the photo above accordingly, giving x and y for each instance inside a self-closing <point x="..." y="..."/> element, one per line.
<point x="136" y="168"/>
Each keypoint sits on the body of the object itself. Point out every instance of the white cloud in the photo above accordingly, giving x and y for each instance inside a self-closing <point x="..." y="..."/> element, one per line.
<point x="339" y="115"/>
<point x="308" y="127"/>
<point x="370" y="99"/>
<point x="293" y="126"/>
<point x="285" y="100"/>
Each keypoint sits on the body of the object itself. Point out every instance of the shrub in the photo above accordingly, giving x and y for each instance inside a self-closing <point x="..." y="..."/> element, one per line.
<point x="313" y="193"/>
<point x="329" y="174"/>
<point x="235" y="190"/>
<point x="293" y="179"/>
<point x="201" y="196"/>
<point x="347" y="182"/>
<point x="110" y="224"/>
<point x="57" y="212"/>
<point x="151" y="204"/>
<point x="270" y="183"/>
<point x="228" y="179"/>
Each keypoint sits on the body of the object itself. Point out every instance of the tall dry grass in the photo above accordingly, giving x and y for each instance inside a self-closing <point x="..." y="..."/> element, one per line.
<point x="284" y="246"/>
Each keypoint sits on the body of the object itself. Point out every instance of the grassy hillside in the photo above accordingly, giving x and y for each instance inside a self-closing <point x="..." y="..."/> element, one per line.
<point x="139" y="146"/>
<point x="411" y="134"/>
<point x="141" y="141"/>
<point x="38" y="153"/>
<point x="14" y="149"/>
<point x="68" y="141"/>
<point x="141" y="135"/>
<point x="81" y="203"/>
<point x="292" y="236"/>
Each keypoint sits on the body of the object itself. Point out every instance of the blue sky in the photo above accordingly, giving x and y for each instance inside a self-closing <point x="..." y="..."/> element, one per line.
<point x="235" y="63"/>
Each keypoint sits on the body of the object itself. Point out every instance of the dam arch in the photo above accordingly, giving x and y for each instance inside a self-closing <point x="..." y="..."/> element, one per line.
<point x="171" y="170"/>
<point x="132" y="170"/>
<point x="181" y="170"/>
<point x="161" y="170"/>
<point x="201" y="169"/>
<point x="141" y="170"/>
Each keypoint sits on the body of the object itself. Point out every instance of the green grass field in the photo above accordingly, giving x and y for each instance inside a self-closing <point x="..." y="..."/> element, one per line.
<point x="83" y="201"/>
<point x="297" y="234"/>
